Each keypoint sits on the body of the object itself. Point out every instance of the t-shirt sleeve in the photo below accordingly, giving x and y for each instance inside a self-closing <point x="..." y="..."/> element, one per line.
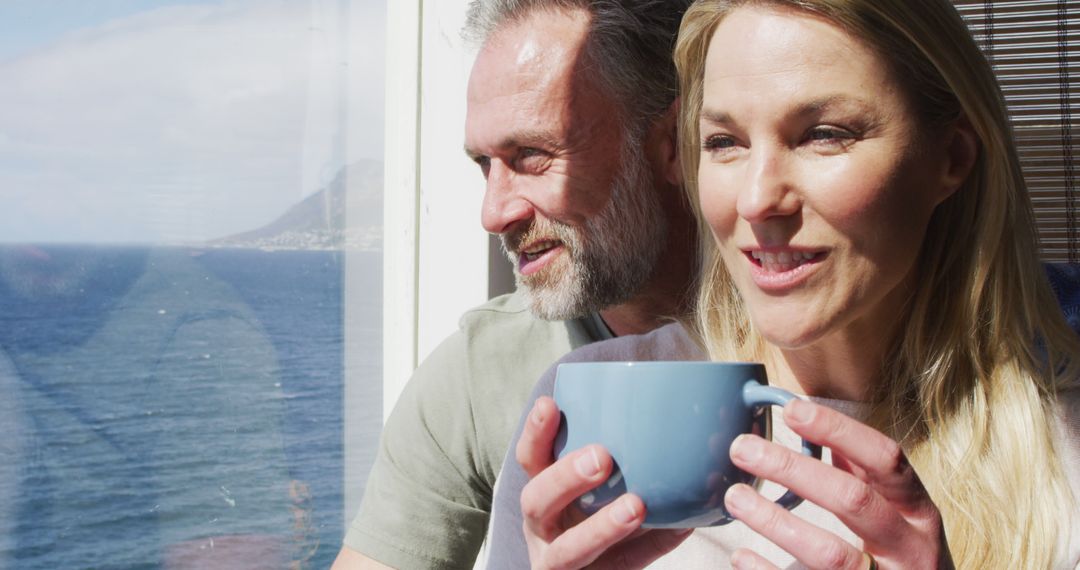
<point x="424" y="506"/>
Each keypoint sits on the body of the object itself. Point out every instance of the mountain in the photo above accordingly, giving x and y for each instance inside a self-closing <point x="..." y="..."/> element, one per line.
<point x="346" y="214"/>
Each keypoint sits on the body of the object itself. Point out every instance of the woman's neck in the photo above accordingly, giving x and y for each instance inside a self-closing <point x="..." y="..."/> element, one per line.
<point x="847" y="372"/>
<point x="846" y="365"/>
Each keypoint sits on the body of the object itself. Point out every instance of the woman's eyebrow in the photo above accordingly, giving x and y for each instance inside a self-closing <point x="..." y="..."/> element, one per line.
<point x="806" y="109"/>
<point x="829" y="102"/>
<point x="715" y="117"/>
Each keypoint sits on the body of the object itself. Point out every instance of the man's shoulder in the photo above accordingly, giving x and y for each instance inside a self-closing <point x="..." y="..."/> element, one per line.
<point x="500" y="344"/>
<point x="506" y="322"/>
<point x="507" y="307"/>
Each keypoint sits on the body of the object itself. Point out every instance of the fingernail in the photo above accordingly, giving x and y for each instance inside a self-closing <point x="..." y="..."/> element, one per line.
<point x="747" y="448"/>
<point x="741" y="561"/>
<point x="799" y="411"/>
<point x="537" y="416"/>
<point x="738" y="498"/>
<point x="624" y="511"/>
<point x="587" y="464"/>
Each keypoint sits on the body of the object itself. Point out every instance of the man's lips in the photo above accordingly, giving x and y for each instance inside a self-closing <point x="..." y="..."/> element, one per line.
<point x="537" y="255"/>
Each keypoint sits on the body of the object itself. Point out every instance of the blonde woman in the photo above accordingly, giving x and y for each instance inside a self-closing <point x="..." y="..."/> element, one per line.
<point x="869" y="238"/>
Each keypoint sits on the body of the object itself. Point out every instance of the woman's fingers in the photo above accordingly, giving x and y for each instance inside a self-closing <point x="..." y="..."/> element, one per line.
<point x="643" y="550"/>
<point x="550" y="492"/>
<point x="534" y="447"/>
<point x="812" y="546"/>
<point x="853" y="501"/>
<point x="561" y="537"/>
<point x="744" y="559"/>
<point x="871" y="488"/>
<point x="582" y="544"/>
<point x="881" y="460"/>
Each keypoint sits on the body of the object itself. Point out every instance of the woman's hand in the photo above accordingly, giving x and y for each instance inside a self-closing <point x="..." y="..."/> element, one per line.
<point x="560" y="536"/>
<point x="870" y="487"/>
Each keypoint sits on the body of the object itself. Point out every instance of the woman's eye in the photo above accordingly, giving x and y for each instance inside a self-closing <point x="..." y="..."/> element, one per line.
<point x="829" y="135"/>
<point x="718" y="142"/>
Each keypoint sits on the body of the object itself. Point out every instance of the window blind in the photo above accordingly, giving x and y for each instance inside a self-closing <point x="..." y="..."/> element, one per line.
<point x="1034" y="47"/>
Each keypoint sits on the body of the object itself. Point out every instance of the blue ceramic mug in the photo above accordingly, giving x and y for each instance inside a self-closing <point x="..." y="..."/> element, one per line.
<point x="669" y="428"/>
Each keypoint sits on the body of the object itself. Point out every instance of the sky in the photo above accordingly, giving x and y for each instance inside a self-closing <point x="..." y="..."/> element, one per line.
<point x="156" y="121"/>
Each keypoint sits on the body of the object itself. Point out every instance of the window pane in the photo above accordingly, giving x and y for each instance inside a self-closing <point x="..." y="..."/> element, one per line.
<point x="185" y="184"/>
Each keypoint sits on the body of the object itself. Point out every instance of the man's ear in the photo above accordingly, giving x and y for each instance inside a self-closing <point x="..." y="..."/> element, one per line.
<point x="961" y="148"/>
<point x="664" y="144"/>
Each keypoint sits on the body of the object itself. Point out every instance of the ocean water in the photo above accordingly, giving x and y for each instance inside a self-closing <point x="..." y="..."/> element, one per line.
<point x="176" y="408"/>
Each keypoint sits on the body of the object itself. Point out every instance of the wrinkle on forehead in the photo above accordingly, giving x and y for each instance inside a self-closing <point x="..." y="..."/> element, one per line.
<point x="543" y="47"/>
<point x="530" y="71"/>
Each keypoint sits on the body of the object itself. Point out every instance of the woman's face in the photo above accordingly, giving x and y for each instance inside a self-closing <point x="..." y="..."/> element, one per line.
<point x="815" y="177"/>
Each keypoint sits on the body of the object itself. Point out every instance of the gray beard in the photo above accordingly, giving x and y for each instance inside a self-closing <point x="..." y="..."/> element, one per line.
<point x="609" y="259"/>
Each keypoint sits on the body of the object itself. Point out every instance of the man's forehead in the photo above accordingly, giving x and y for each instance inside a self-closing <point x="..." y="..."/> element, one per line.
<point x="538" y="48"/>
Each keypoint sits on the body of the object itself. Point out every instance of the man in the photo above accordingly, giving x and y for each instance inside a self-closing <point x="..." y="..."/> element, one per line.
<point x="571" y="120"/>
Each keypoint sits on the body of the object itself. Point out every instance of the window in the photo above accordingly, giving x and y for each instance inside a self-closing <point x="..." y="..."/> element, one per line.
<point x="1034" y="46"/>
<point x="190" y="255"/>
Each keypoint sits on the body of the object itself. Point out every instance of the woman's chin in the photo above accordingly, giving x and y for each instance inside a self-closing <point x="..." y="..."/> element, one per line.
<point x="789" y="336"/>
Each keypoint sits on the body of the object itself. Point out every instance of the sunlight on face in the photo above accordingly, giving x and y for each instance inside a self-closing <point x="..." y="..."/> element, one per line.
<point x="814" y="177"/>
<point x="568" y="187"/>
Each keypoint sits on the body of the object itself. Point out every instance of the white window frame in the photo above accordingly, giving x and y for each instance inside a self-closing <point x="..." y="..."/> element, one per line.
<point x="435" y="253"/>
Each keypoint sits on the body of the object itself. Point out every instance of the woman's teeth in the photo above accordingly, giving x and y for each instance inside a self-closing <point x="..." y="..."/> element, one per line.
<point x="782" y="261"/>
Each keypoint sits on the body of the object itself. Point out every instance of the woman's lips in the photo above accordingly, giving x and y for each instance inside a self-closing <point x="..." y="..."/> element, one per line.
<point x="780" y="270"/>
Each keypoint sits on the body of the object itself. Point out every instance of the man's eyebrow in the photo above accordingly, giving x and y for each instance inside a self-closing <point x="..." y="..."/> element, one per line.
<point x="532" y="138"/>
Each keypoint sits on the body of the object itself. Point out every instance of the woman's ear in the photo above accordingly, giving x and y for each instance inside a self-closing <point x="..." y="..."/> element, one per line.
<point x="664" y="142"/>
<point x="961" y="148"/>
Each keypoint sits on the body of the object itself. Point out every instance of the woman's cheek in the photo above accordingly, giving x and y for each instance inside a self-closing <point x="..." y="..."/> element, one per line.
<point x="717" y="204"/>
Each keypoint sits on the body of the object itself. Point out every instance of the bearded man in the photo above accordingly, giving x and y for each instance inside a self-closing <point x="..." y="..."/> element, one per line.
<point x="571" y="120"/>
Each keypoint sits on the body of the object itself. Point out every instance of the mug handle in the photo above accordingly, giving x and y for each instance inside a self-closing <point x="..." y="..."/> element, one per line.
<point x="755" y="395"/>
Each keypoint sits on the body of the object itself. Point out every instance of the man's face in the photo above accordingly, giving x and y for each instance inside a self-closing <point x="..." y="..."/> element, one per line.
<point x="569" y="189"/>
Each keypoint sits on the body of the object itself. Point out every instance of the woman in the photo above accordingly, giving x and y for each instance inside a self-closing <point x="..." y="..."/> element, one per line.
<point x="873" y="245"/>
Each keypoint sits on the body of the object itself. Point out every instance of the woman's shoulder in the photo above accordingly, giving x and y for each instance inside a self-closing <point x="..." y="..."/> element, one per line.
<point x="669" y="342"/>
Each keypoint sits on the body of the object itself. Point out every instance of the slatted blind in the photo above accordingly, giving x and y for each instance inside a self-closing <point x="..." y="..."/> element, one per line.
<point x="1034" y="47"/>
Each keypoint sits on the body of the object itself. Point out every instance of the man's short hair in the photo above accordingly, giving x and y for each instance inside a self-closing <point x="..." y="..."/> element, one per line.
<point x="630" y="45"/>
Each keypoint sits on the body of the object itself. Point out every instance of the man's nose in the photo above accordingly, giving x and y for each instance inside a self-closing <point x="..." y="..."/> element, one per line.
<point x="504" y="205"/>
<point x="769" y="188"/>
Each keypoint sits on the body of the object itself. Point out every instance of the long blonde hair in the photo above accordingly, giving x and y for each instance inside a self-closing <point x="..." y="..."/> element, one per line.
<point x="970" y="387"/>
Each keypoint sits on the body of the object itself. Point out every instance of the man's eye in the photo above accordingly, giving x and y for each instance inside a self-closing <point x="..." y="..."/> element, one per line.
<point x="531" y="160"/>
<point x="484" y="162"/>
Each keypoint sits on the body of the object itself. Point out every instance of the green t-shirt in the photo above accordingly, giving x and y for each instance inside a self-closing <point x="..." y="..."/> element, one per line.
<point x="428" y="496"/>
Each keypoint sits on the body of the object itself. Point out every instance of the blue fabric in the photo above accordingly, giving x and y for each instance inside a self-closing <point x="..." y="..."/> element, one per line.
<point x="1065" y="280"/>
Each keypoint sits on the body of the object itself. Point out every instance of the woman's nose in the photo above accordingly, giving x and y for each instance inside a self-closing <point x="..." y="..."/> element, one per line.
<point x="769" y="188"/>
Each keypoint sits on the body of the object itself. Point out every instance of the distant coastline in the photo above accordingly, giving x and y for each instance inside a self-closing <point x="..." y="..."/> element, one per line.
<point x="346" y="215"/>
